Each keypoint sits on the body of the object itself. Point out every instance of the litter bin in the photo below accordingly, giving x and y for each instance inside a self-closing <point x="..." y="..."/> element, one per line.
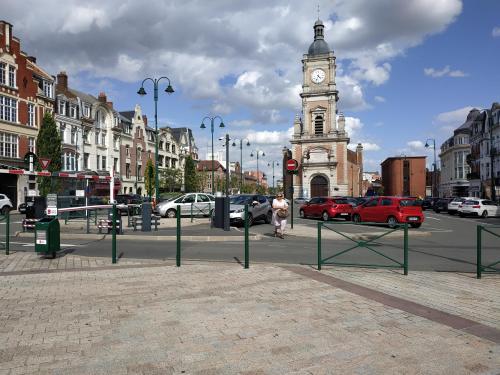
<point x="47" y="236"/>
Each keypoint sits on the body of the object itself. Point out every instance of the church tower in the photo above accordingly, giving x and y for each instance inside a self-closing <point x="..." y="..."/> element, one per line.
<point x="320" y="141"/>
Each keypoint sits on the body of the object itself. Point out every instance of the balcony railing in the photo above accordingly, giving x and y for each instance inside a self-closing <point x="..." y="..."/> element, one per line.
<point x="473" y="176"/>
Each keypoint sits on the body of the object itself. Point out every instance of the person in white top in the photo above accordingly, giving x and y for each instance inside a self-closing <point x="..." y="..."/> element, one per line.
<point x="280" y="213"/>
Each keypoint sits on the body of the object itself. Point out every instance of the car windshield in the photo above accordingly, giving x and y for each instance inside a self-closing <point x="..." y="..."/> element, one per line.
<point x="341" y="201"/>
<point x="240" y="199"/>
<point x="409" y="202"/>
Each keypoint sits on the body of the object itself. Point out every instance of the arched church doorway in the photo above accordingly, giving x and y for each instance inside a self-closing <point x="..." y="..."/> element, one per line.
<point x="319" y="186"/>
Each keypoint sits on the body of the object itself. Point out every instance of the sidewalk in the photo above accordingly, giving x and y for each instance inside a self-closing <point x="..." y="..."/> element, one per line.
<point x="218" y="318"/>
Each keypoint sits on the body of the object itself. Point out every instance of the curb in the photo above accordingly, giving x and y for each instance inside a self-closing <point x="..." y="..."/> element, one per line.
<point x="128" y="237"/>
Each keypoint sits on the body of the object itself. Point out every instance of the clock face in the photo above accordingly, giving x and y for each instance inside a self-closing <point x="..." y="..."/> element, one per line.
<point x="318" y="76"/>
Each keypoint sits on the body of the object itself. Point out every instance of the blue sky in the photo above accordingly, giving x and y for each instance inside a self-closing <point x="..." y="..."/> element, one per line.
<point x="407" y="70"/>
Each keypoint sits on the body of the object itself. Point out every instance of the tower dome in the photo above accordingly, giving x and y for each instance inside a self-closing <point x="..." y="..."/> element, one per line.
<point x="319" y="46"/>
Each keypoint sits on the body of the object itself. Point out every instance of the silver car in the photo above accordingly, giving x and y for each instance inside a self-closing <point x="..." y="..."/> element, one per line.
<point x="259" y="208"/>
<point x="200" y="204"/>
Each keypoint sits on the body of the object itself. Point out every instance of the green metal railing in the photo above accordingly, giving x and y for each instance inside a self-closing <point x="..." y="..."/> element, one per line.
<point x="200" y="211"/>
<point x="480" y="268"/>
<point x="178" y="253"/>
<point x="367" y="244"/>
<point x="247" y="243"/>
<point x="6" y="245"/>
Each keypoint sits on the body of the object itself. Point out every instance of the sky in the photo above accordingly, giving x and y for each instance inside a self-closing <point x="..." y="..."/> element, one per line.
<point x="407" y="71"/>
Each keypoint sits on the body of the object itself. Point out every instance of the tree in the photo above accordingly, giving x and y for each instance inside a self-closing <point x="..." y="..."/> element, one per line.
<point x="191" y="182"/>
<point x="171" y="179"/>
<point x="48" y="146"/>
<point x="149" y="177"/>
<point x="247" y="188"/>
<point x="261" y="190"/>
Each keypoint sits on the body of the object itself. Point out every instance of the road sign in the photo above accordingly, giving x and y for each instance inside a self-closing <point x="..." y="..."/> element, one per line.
<point x="52" y="204"/>
<point x="44" y="162"/>
<point x="292" y="165"/>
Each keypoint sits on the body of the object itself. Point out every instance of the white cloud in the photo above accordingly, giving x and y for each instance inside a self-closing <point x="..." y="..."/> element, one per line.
<point x="379" y="99"/>
<point x="445" y="72"/>
<point x="367" y="146"/>
<point x="416" y="145"/>
<point x="247" y="79"/>
<point x="242" y="123"/>
<point x="353" y="126"/>
<point x="454" y="118"/>
<point x="82" y="19"/>
<point x="495" y="32"/>
<point x="267" y="137"/>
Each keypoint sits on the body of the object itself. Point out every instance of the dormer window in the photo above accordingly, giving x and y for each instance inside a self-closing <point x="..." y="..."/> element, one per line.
<point x="318" y="124"/>
<point x="48" y="89"/>
<point x="86" y="110"/>
<point x="62" y="108"/>
<point x="72" y="111"/>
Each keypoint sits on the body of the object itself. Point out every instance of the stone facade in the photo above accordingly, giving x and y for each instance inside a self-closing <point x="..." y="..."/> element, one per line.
<point x="326" y="166"/>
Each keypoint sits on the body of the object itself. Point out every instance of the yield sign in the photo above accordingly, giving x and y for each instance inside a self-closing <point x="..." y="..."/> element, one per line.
<point x="44" y="162"/>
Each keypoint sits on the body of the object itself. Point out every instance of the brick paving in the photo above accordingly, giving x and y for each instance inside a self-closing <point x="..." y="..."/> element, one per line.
<point x="220" y="319"/>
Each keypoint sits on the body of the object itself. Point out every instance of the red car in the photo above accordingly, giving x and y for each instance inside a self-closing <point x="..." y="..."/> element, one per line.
<point x="390" y="210"/>
<point x="326" y="208"/>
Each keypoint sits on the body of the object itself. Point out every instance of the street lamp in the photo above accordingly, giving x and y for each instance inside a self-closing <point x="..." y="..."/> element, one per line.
<point x="434" y="179"/>
<point x="202" y="126"/>
<point x="489" y="115"/>
<point x="257" y="152"/>
<point x="273" y="163"/>
<point x="169" y="90"/>
<point x="241" y="158"/>
<point x="137" y="151"/>
<point x="406" y="182"/>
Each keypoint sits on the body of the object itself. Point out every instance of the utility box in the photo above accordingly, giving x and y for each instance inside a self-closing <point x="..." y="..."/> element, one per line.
<point x="47" y="236"/>
<point x="146" y="217"/>
<point x="218" y="219"/>
<point x="35" y="207"/>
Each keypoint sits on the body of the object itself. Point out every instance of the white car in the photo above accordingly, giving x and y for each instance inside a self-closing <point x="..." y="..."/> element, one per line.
<point x="5" y="204"/>
<point x="453" y="205"/>
<point x="479" y="207"/>
<point x="199" y="203"/>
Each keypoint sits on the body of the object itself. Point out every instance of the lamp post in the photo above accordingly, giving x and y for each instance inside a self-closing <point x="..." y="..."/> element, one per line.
<point x="137" y="151"/>
<point x="241" y="158"/>
<point x="169" y="90"/>
<point x="273" y="163"/>
<point x="257" y="152"/>
<point x="406" y="182"/>
<point x="489" y="117"/>
<point x="434" y="181"/>
<point x="202" y="126"/>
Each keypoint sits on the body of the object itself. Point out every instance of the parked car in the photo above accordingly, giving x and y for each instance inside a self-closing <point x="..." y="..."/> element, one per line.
<point x="300" y="200"/>
<point x="352" y="201"/>
<point x="390" y="210"/>
<point x="270" y="198"/>
<point x="326" y="208"/>
<point x="200" y="202"/>
<point x="441" y="205"/>
<point x="22" y="208"/>
<point x="479" y="207"/>
<point x="362" y="200"/>
<point x="259" y="208"/>
<point x="5" y="204"/>
<point x="428" y="203"/>
<point x="453" y="205"/>
<point x="123" y="200"/>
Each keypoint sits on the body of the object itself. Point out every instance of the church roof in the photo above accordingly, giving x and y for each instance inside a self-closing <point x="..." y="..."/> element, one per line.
<point x="319" y="46"/>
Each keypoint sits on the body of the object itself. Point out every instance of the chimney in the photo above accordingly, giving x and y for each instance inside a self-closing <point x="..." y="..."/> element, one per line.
<point x="62" y="81"/>
<point x="145" y="119"/>
<point x="109" y="104"/>
<point x="7" y="33"/>
<point x="102" y="97"/>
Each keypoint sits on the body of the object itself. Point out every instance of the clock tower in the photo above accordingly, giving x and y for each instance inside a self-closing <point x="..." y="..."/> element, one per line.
<point x="319" y="139"/>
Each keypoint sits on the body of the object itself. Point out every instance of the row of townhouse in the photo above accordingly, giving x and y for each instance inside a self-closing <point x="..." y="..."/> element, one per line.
<point x="96" y="138"/>
<point x="470" y="159"/>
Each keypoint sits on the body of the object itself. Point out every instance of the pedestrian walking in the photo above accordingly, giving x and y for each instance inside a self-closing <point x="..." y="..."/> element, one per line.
<point x="280" y="213"/>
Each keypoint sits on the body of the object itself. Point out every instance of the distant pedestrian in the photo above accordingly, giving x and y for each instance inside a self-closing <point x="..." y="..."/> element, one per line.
<point x="280" y="213"/>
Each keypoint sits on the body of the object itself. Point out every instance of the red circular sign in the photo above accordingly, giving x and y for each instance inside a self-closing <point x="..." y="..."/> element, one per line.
<point x="292" y="165"/>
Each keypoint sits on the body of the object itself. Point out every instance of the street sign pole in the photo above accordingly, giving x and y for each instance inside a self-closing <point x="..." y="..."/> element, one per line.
<point x="292" y="166"/>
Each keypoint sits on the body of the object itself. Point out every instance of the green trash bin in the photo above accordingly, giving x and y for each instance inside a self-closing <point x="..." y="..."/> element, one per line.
<point x="47" y="236"/>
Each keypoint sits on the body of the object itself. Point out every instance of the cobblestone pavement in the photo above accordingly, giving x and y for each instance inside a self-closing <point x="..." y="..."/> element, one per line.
<point x="218" y="318"/>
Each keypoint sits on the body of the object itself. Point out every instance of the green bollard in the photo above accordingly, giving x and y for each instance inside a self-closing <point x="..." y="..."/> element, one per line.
<point x="191" y="212"/>
<point x="405" y="250"/>
<point x="319" y="245"/>
<point x="178" y="254"/>
<point x="113" y="235"/>
<point x="7" y="234"/>
<point x="478" y="251"/>
<point x="247" y="245"/>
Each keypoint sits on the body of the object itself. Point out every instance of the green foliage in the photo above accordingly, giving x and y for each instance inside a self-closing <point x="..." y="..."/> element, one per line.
<point x="171" y="179"/>
<point x="261" y="190"/>
<point x="149" y="177"/>
<point x="247" y="188"/>
<point x="191" y="178"/>
<point x="48" y="145"/>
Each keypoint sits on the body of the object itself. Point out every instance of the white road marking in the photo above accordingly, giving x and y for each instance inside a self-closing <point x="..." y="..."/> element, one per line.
<point x="29" y="244"/>
<point x="432" y="218"/>
<point x="12" y="222"/>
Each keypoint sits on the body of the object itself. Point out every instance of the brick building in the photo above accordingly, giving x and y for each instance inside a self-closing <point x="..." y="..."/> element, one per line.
<point x="204" y="167"/>
<point x="404" y="176"/>
<point x="26" y="93"/>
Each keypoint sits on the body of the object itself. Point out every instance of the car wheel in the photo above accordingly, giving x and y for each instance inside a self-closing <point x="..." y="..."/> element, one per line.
<point x="325" y="216"/>
<point x="416" y="225"/>
<point x="5" y="209"/>
<point x="170" y="213"/>
<point x="484" y="214"/>
<point x="393" y="223"/>
<point x="250" y="220"/>
<point x="437" y="211"/>
<point x="302" y="214"/>
<point x="451" y="213"/>
<point x="461" y="214"/>
<point x="269" y="217"/>
<point x="356" y="218"/>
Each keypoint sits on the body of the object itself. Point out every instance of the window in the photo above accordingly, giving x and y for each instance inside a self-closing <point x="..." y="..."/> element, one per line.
<point x="98" y="161"/>
<point x="386" y="202"/>
<point x="372" y="203"/>
<point x="48" y="89"/>
<point x="69" y="162"/>
<point x="167" y="147"/>
<point x="160" y="145"/>
<point x="8" y="109"/>
<point x="86" y="110"/>
<point x="74" y="136"/>
<point x="72" y="111"/>
<point x="189" y="198"/>
<point x="62" y="107"/>
<point x="100" y="119"/>
<point x="318" y="125"/>
<point x="139" y="172"/>
<point x="62" y="129"/>
<point x="116" y="143"/>
<point x="86" y="134"/>
<point x="127" y="151"/>
<point x="86" y="161"/>
<point x="174" y="163"/>
<point x="103" y="162"/>
<point x="31" y="115"/>
<point x="3" y="72"/>
<point x="173" y="149"/>
<point x="103" y="139"/>
<point x="160" y="160"/>
<point x="12" y="76"/>
<point x="115" y="164"/>
<point x="127" y="128"/>
<point x="203" y="198"/>
<point x="31" y="145"/>
<point x="127" y="170"/>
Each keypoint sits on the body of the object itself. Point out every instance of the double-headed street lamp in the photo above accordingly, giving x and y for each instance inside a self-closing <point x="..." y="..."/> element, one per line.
<point x="241" y="158"/>
<point x="434" y="180"/>
<point x="273" y="163"/>
<point x="202" y="126"/>
<point x="169" y="90"/>
<point x="257" y="153"/>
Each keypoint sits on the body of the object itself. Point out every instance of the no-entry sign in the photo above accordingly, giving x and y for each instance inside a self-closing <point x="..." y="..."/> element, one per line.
<point x="292" y="165"/>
